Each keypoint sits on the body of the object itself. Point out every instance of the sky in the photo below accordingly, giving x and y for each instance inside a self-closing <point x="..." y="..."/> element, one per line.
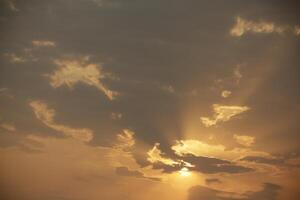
<point x="149" y="99"/>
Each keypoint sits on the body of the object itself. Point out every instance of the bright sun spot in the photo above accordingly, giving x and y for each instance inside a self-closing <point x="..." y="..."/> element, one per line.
<point x="184" y="172"/>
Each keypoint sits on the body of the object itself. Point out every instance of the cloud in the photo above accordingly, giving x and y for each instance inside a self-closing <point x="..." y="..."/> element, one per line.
<point x="168" y="88"/>
<point x="223" y="113"/>
<point x="225" y="93"/>
<point x="269" y="192"/>
<point x="8" y="127"/>
<point x="297" y="30"/>
<point x="167" y="168"/>
<point x="264" y="160"/>
<point x="124" y="171"/>
<point x="116" y="115"/>
<point x="196" y="147"/>
<point x="210" y="181"/>
<point x="10" y="138"/>
<point x="193" y="161"/>
<point x="125" y="140"/>
<point x="12" y="5"/>
<point x="293" y="161"/>
<point x="13" y="58"/>
<point x="214" y="165"/>
<point x="202" y="149"/>
<point x="237" y="75"/>
<point x="46" y="115"/>
<point x="106" y="3"/>
<point x="244" y="140"/>
<point x="43" y="43"/>
<point x="155" y="156"/>
<point x="73" y="71"/>
<point x="242" y="26"/>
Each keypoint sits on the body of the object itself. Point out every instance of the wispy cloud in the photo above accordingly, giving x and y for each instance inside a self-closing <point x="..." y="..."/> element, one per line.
<point x="43" y="43"/>
<point x="116" y="115"/>
<point x="155" y="155"/>
<point x="8" y="127"/>
<point x="125" y="140"/>
<point x="12" y="5"/>
<point x="46" y="115"/>
<point x="168" y="88"/>
<point x="73" y="71"/>
<point x="242" y="26"/>
<point x="244" y="140"/>
<point x="297" y="30"/>
<point x="14" y="58"/>
<point x="225" y="93"/>
<point x="223" y="113"/>
<point x="237" y="75"/>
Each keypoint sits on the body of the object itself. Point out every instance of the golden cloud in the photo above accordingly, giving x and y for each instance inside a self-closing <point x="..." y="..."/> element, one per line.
<point x="200" y="148"/>
<point x="155" y="155"/>
<point x="244" y="140"/>
<point x="297" y="30"/>
<point x="225" y="93"/>
<point x="72" y="71"/>
<point x="125" y="139"/>
<point x="46" y="115"/>
<point x="223" y="113"/>
<point x="13" y="58"/>
<point x="243" y="26"/>
<point x="43" y="43"/>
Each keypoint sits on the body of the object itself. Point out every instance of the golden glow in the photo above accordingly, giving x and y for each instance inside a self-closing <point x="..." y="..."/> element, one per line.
<point x="155" y="155"/>
<point x="184" y="172"/>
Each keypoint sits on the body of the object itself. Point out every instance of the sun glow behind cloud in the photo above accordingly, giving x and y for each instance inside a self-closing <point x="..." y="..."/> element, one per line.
<point x="184" y="172"/>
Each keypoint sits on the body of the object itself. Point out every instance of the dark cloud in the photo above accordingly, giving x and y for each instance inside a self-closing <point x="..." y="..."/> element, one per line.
<point x="214" y="165"/>
<point x="272" y="161"/>
<point x="124" y="171"/>
<point x="282" y="162"/>
<point x="167" y="168"/>
<point x="209" y="181"/>
<point x="269" y="192"/>
<point x="204" y="165"/>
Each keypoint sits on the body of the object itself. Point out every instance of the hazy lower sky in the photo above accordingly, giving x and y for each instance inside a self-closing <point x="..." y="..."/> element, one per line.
<point x="149" y="99"/>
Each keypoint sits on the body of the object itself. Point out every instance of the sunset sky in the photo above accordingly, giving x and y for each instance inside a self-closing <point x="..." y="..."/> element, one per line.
<point x="149" y="100"/>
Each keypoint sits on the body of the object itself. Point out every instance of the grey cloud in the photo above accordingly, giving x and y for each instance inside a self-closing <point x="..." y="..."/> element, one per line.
<point x="124" y="171"/>
<point x="167" y="168"/>
<point x="209" y="181"/>
<point x="272" y="161"/>
<point x="203" y="165"/>
<point x="10" y="139"/>
<point x="283" y="161"/>
<point x="269" y="192"/>
<point x="214" y="165"/>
